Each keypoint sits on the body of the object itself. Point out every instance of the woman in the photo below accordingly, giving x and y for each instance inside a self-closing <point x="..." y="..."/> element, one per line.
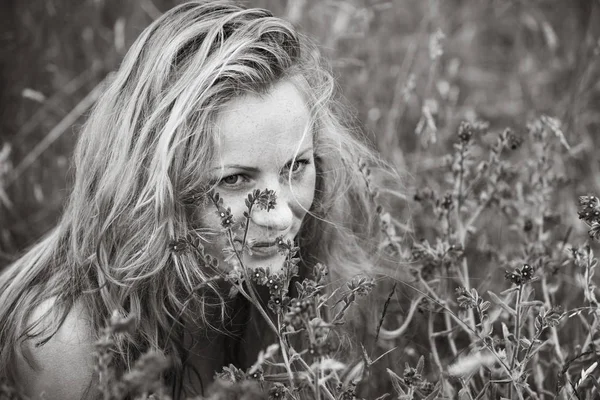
<point x="210" y="98"/>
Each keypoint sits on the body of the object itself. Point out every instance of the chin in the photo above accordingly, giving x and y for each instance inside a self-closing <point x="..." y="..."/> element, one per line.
<point x="274" y="263"/>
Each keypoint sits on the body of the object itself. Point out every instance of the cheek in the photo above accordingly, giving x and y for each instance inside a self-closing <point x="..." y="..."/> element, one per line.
<point x="305" y="193"/>
<point x="208" y="216"/>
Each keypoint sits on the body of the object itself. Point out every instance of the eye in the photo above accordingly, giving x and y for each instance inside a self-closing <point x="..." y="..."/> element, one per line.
<point x="297" y="165"/>
<point x="231" y="179"/>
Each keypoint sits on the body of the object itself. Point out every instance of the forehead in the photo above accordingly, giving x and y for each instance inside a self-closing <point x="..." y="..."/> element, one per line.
<point x="256" y="129"/>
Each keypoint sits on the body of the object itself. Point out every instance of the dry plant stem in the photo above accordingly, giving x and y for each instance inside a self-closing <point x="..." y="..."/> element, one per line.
<point x="467" y="388"/>
<point x="283" y="347"/>
<point x="465" y="282"/>
<point x="553" y="331"/>
<point x="539" y="385"/>
<point x="434" y="352"/>
<point x="307" y="367"/>
<point x="252" y="294"/>
<point x="517" y="332"/>
<point x="68" y="89"/>
<point x="517" y="344"/>
<point x="462" y="230"/>
<point x="398" y="106"/>
<point x="450" y="336"/>
<point x="254" y="299"/>
<point x="524" y="362"/>
<point x="56" y="132"/>
<point x="459" y="193"/>
<point x="591" y="330"/>
<point x="466" y="328"/>
<point x="385" y="334"/>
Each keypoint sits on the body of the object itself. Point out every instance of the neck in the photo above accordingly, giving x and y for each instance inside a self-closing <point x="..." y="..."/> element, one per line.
<point x="209" y="350"/>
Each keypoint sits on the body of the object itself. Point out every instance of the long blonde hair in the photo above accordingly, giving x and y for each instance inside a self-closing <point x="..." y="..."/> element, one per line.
<point x="139" y="161"/>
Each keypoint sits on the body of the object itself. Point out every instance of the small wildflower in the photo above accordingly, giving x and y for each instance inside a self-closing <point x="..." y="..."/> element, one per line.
<point x="447" y="202"/>
<point x="320" y="271"/>
<point x="178" y="246"/>
<point x="259" y="276"/>
<point x="349" y="392"/>
<point x="411" y="376"/>
<point x="231" y="374"/>
<point x="274" y="282"/>
<point x="226" y="217"/>
<point x="278" y="302"/>
<point x="465" y="132"/>
<point x="589" y="209"/>
<point x="548" y="318"/>
<point x="223" y="213"/>
<point x="286" y="247"/>
<point x="513" y="277"/>
<point x="267" y="199"/>
<point x="514" y="141"/>
<point x="465" y="298"/>
<point x="594" y="231"/>
<point x="520" y="276"/>
<point x="277" y="391"/>
<point x="436" y="48"/>
<point x="424" y="194"/>
<point x="256" y="375"/>
<point x="361" y="285"/>
<point x="527" y="272"/>
<point x="298" y="311"/>
<point x="427" y="387"/>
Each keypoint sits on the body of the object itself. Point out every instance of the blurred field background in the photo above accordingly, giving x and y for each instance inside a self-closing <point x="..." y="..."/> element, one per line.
<point x="409" y="70"/>
<point x="503" y="61"/>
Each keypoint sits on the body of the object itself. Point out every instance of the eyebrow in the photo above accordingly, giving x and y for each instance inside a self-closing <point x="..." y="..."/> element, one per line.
<point x="254" y="169"/>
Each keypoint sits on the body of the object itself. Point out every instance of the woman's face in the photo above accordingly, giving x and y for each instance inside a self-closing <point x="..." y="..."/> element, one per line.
<point x="262" y="140"/>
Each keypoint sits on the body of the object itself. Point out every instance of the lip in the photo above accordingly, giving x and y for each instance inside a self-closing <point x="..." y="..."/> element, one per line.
<point x="262" y="248"/>
<point x="256" y="243"/>
<point x="265" y="251"/>
<point x="264" y="244"/>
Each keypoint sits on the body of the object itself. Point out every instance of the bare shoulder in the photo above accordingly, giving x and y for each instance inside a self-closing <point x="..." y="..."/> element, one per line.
<point x="63" y="367"/>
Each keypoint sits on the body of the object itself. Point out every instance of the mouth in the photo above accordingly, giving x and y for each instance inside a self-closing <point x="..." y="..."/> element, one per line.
<point x="262" y="248"/>
<point x="263" y="251"/>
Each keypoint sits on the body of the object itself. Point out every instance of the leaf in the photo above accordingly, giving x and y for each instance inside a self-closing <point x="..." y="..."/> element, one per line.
<point x="328" y="364"/>
<point x="233" y="291"/>
<point x="501" y="303"/>
<point x="510" y="290"/>
<point x="365" y="355"/>
<point x="354" y="373"/>
<point x="420" y="365"/>
<point x="525" y="343"/>
<point x="464" y="394"/>
<point x="471" y="363"/>
<point x="596" y="383"/>
<point x="532" y="303"/>
<point x="505" y="332"/>
<point x="396" y="382"/>
<point x="485" y="305"/>
<point x="433" y="395"/>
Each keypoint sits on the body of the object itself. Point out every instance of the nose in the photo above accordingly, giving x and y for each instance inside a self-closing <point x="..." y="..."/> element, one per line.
<point x="278" y="219"/>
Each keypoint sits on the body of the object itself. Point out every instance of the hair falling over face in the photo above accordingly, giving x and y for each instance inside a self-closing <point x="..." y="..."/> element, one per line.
<point x="142" y="162"/>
